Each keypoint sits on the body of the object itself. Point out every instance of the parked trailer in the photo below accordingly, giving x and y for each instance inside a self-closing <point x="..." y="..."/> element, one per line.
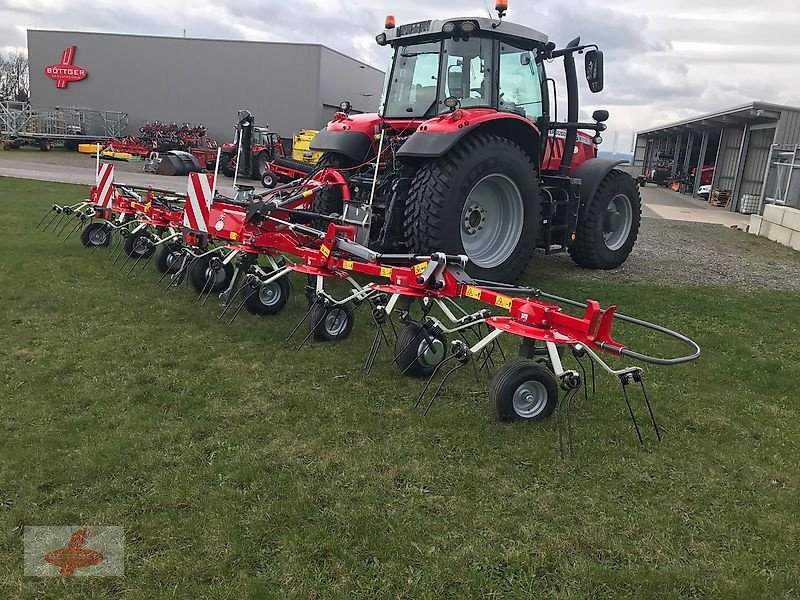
<point x="22" y="123"/>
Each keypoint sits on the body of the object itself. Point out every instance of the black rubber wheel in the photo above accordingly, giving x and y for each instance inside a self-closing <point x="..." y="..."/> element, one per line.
<point x="609" y="224"/>
<point x="168" y="257"/>
<point x="416" y="354"/>
<point x="45" y="145"/>
<point x="331" y="323"/>
<point x="329" y="200"/>
<point x="139" y="245"/>
<point x="268" y="299"/>
<point x="260" y="165"/>
<point x="269" y="180"/>
<point x="523" y="391"/>
<point x="201" y="270"/>
<point x="480" y="199"/>
<point x="226" y="164"/>
<point x="96" y="234"/>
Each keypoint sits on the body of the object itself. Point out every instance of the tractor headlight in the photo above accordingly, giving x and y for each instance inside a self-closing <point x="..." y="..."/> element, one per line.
<point x="449" y="27"/>
<point x="468" y="27"/>
<point x="598" y="139"/>
<point x="381" y="39"/>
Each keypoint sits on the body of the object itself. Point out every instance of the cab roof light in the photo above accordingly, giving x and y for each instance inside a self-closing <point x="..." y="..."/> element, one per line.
<point x="390" y="22"/>
<point x="501" y="6"/>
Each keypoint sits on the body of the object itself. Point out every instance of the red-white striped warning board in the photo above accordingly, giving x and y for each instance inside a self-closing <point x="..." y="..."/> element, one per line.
<point x="105" y="185"/>
<point x="198" y="202"/>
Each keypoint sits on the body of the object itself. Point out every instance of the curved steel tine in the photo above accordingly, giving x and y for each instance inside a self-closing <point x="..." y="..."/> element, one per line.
<point x="571" y="397"/>
<point x="430" y="379"/>
<point x="441" y="385"/>
<point x="236" y="293"/>
<point x="299" y="324"/>
<point x="640" y="379"/>
<point x="623" y="380"/>
<point x="585" y="388"/>
<point x="241" y="305"/>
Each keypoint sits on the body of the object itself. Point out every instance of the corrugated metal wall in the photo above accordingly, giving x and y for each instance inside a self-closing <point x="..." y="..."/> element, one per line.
<point x="756" y="162"/>
<point x="730" y="144"/>
<point x="788" y="131"/>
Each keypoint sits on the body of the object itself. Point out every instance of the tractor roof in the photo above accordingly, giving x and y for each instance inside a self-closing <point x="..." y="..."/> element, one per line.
<point x="422" y="31"/>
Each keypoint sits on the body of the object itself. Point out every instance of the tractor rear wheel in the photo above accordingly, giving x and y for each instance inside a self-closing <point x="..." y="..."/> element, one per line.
<point x="329" y="200"/>
<point x="609" y="224"/>
<point x="480" y="199"/>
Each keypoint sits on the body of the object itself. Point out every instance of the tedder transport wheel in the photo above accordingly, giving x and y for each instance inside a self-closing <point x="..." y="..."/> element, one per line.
<point x="168" y="258"/>
<point x="609" y="225"/>
<point x="480" y="199"/>
<point x="523" y="391"/>
<point x="210" y="275"/>
<point x="269" y="180"/>
<point x="329" y="200"/>
<point x="417" y="354"/>
<point x="138" y="245"/>
<point x="331" y="323"/>
<point x="95" y="234"/>
<point x="269" y="299"/>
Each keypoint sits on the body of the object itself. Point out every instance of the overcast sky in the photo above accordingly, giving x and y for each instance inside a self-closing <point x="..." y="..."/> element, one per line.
<point x="664" y="60"/>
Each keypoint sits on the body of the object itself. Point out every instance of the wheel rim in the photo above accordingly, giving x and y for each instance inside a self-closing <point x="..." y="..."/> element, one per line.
<point x="617" y="222"/>
<point x="140" y="246"/>
<point x="430" y="354"/>
<point x="530" y="399"/>
<point x="491" y="221"/>
<point x="98" y="236"/>
<point x="269" y="294"/>
<point x="172" y="258"/>
<point x="335" y="322"/>
<point x="217" y="276"/>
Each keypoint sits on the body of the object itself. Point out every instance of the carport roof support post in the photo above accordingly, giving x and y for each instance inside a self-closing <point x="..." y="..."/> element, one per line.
<point x="740" y="161"/>
<point x="698" y="176"/>
<point x="676" y="155"/>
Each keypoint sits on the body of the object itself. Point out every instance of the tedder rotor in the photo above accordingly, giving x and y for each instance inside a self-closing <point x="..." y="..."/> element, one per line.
<point x="473" y="158"/>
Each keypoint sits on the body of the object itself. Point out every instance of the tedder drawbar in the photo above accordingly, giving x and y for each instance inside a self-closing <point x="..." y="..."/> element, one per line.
<point x="216" y="242"/>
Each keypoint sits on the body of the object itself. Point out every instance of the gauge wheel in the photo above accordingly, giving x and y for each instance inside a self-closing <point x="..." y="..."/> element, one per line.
<point x="523" y="391"/>
<point x="267" y="298"/>
<point x="96" y="234"/>
<point x="418" y="354"/>
<point x="331" y="323"/>
<point x="209" y="275"/>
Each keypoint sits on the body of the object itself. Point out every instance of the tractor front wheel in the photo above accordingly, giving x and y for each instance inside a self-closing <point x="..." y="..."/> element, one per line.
<point x="480" y="199"/>
<point x="609" y="224"/>
<point x="523" y="391"/>
<point x="227" y="165"/>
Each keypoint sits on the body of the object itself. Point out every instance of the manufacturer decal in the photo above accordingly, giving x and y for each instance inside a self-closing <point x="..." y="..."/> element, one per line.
<point x="66" y="71"/>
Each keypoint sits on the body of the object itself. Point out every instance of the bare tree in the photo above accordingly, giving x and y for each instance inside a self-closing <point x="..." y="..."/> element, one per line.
<point x="14" y="78"/>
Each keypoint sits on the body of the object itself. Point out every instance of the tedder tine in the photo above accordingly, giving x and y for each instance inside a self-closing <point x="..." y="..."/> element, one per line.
<point x="241" y="305"/>
<point x="637" y="376"/>
<point x="303" y="320"/>
<point x="625" y="380"/>
<point x="229" y="304"/>
<point x="46" y="214"/>
<point x="430" y="380"/>
<point x="438" y="391"/>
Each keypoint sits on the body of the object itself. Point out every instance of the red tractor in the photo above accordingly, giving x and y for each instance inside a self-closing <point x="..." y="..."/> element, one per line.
<point x="261" y="156"/>
<point x="473" y="159"/>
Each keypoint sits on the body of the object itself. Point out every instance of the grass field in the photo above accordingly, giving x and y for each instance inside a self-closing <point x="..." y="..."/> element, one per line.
<point x="242" y="468"/>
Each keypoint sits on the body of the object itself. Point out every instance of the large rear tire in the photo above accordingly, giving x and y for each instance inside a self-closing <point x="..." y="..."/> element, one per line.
<point x="226" y="164"/>
<point x="609" y="224"/>
<point x="480" y="199"/>
<point x="329" y="200"/>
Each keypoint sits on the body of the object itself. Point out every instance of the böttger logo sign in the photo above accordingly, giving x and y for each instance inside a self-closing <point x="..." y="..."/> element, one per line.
<point x="66" y="72"/>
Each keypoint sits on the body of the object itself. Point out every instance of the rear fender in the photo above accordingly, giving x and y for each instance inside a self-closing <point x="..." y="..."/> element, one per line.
<point x="353" y="136"/>
<point x="436" y="137"/>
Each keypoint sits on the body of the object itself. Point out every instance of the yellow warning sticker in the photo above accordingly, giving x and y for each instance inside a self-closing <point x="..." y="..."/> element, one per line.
<point x="325" y="250"/>
<point x="386" y="272"/>
<point x="348" y="264"/>
<point x="473" y="293"/>
<point x="420" y="268"/>
<point x="503" y="302"/>
<point x="234" y="235"/>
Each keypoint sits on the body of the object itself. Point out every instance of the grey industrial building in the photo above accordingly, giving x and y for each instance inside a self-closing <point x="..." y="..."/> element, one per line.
<point x="754" y="150"/>
<point x="286" y="85"/>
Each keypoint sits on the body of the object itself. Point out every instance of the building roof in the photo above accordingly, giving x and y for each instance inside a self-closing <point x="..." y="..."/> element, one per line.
<point x="754" y="113"/>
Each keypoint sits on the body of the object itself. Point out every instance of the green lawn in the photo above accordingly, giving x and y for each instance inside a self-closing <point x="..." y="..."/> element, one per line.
<point x="240" y="467"/>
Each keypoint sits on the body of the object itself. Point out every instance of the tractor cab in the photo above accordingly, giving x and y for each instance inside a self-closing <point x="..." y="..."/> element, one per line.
<point x="464" y="62"/>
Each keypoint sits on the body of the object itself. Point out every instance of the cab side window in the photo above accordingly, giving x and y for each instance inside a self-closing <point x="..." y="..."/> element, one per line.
<point x="520" y="86"/>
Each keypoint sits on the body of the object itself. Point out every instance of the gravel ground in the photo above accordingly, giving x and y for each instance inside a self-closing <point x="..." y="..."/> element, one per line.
<point x="680" y="253"/>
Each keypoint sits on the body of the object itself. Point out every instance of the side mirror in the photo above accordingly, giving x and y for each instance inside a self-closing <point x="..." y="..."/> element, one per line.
<point x="601" y="116"/>
<point x="594" y="70"/>
<point x="525" y="59"/>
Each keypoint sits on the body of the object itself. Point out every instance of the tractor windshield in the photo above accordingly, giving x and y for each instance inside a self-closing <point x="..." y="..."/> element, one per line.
<point x="413" y="81"/>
